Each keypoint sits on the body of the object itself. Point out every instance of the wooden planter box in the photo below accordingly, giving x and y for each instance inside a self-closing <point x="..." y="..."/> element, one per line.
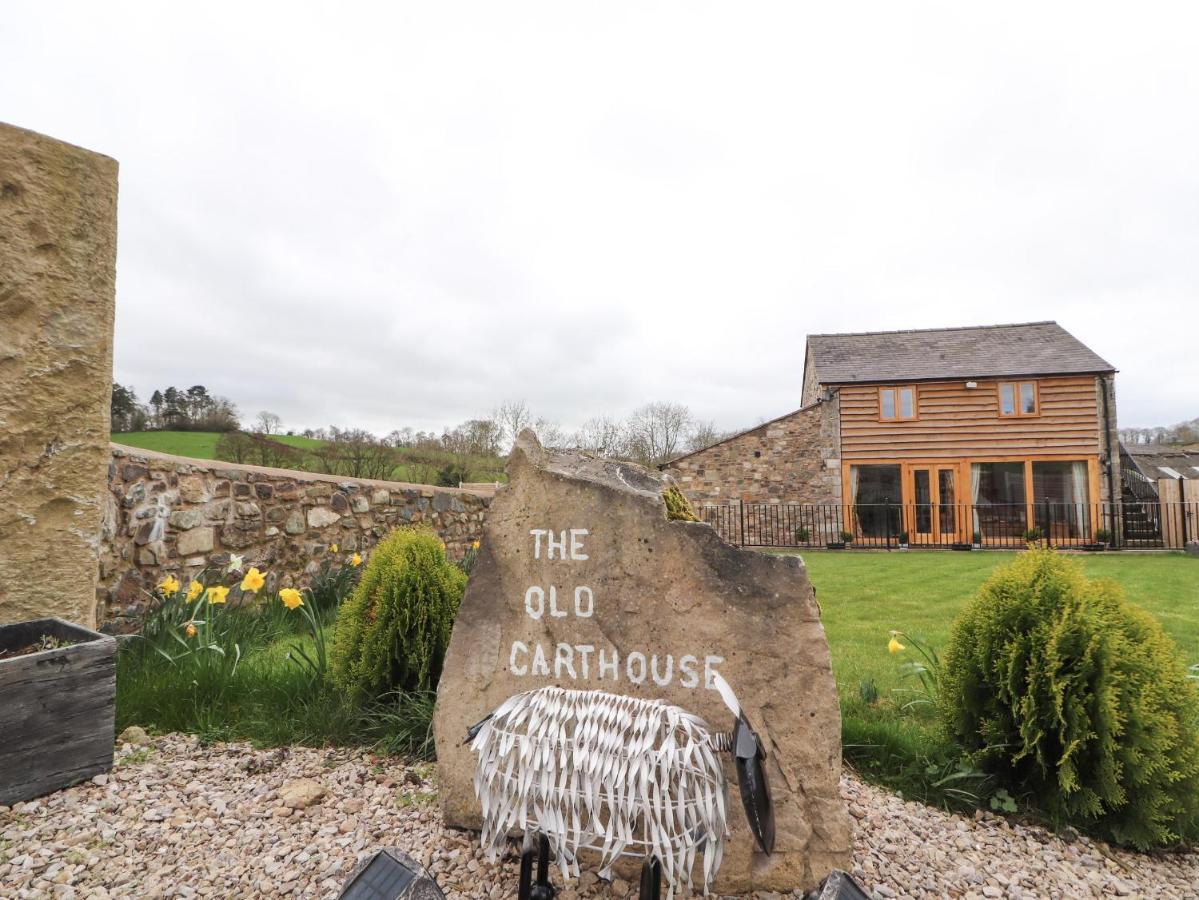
<point x="57" y="708"/>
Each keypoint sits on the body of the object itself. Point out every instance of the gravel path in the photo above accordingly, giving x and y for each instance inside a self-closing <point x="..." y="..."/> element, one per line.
<point x="174" y="819"/>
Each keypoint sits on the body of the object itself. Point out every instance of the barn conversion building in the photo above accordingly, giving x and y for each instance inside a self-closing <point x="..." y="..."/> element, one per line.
<point x="941" y="423"/>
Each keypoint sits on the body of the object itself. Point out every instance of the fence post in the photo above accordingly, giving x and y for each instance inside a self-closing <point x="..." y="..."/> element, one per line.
<point x="1182" y="508"/>
<point x="887" y="519"/>
<point x="1048" y="523"/>
<point x="741" y="516"/>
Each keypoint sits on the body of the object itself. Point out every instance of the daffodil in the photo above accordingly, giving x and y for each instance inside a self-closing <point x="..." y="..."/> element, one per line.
<point x="235" y="563"/>
<point x="169" y="585"/>
<point x="333" y="548"/>
<point x="218" y="594"/>
<point x="474" y="545"/>
<point x="194" y="590"/>
<point x="253" y="581"/>
<point x="355" y="560"/>
<point x="191" y="629"/>
<point x="893" y="646"/>
<point x="291" y="598"/>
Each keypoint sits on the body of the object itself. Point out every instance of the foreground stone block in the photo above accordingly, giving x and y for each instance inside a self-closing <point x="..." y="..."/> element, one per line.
<point x="582" y="582"/>
<point x="58" y="229"/>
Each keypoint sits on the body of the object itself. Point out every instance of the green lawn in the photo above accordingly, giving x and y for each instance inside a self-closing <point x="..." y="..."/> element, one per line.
<point x="863" y="596"/>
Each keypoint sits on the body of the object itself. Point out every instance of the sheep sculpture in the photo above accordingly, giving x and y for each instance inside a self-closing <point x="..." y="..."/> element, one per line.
<point x="623" y="776"/>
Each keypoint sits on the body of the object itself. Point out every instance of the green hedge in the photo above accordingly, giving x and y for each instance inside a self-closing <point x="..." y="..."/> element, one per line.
<point x="1076" y="700"/>
<point x="393" y="632"/>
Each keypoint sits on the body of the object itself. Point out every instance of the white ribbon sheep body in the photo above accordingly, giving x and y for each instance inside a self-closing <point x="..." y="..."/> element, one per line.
<point x="600" y="771"/>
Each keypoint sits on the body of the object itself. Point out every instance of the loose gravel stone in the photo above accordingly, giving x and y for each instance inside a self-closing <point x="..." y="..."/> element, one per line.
<point x="176" y="819"/>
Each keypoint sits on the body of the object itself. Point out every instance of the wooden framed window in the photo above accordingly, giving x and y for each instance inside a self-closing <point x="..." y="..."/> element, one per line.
<point x="896" y="404"/>
<point x="1019" y="398"/>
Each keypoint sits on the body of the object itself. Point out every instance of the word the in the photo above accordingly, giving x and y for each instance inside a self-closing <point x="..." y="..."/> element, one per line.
<point x="559" y="546"/>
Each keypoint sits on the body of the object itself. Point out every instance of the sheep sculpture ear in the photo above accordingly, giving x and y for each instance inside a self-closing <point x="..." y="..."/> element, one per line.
<point x="749" y="755"/>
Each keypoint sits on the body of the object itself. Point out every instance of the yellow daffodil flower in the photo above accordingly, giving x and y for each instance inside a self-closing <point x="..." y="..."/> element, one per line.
<point x="291" y="598"/>
<point x="218" y="594"/>
<point x="333" y="548"/>
<point x="191" y="629"/>
<point x="194" y="590"/>
<point x="893" y="646"/>
<point x="253" y="581"/>
<point x="474" y="545"/>
<point x="355" y="560"/>
<point x="169" y="585"/>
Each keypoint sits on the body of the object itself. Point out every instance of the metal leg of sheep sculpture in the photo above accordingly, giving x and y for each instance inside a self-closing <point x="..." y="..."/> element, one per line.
<point x="623" y="776"/>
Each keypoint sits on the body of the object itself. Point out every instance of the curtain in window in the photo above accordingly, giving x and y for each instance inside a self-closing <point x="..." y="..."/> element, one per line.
<point x="853" y="498"/>
<point x="975" y="484"/>
<point x="1078" y="475"/>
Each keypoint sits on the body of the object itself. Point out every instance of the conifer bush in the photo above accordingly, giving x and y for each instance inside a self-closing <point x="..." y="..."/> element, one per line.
<point x="1078" y="700"/>
<point x="393" y="631"/>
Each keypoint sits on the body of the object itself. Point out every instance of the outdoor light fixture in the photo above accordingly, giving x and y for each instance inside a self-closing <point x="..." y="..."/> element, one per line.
<point x="391" y="874"/>
<point x="971" y="385"/>
<point x="839" y="886"/>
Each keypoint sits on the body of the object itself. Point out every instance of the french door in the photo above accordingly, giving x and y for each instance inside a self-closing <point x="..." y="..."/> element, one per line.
<point x="931" y="507"/>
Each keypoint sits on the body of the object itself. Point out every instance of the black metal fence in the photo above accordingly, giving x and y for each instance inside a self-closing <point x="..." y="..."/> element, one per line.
<point x="1125" y="525"/>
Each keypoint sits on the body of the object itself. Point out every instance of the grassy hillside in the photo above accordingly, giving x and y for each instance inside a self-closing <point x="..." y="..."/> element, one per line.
<point x="200" y="444"/>
<point x="415" y="464"/>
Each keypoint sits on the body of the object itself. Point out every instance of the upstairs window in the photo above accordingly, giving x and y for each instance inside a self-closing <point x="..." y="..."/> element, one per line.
<point x="895" y="404"/>
<point x="1018" y="398"/>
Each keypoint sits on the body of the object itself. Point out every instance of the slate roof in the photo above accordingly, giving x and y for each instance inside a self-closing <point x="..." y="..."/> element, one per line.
<point x="1150" y="458"/>
<point x="1032" y="348"/>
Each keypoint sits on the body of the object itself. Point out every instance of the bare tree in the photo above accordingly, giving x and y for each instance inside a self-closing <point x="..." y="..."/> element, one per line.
<point x="704" y="434"/>
<point x="603" y="436"/>
<point x="512" y="416"/>
<point x="268" y="423"/>
<point x="550" y="433"/>
<point x="657" y="431"/>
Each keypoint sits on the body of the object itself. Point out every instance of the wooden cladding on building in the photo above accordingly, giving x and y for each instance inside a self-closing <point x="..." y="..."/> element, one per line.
<point x="955" y="422"/>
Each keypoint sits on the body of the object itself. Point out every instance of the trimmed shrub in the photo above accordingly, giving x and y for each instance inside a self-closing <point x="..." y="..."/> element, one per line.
<point x="1072" y="696"/>
<point x="393" y="632"/>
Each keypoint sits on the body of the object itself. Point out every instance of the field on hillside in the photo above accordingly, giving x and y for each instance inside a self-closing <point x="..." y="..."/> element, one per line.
<point x="418" y="465"/>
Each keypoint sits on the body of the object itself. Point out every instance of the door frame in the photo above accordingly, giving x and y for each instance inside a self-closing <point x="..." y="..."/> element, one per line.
<point x="910" y="505"/>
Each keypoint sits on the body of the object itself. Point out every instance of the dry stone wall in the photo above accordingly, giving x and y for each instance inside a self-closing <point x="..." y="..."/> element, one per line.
<point x="58" y="232"/>
<point x="173" y="515"/>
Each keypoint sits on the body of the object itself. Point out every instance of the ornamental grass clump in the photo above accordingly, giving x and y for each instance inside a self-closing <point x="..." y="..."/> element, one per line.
<point x="393" y="632"/>
<point x="1078" y="700"/>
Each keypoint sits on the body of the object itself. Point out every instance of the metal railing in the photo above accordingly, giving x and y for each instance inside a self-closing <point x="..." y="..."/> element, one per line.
<point x="1123" y="525"/>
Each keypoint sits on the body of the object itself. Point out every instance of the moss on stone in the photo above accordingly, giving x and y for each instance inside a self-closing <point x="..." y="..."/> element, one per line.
<point x="678" y="506"/>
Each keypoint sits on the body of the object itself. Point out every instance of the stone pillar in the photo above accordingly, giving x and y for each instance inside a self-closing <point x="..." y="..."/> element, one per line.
<point x="58" y="242"/>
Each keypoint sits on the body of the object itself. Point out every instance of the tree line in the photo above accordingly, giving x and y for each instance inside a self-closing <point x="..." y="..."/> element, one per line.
<point x="1181" y="434"/>
<point x="191" y="409"/>
<point x="472" y="450"/>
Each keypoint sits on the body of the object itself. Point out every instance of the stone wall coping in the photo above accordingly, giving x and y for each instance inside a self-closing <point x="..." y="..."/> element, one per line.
<point x="124" y="450"/>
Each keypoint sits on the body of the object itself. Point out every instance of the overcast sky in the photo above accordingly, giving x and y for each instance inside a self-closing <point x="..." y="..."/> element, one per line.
<point x="404" y="213"/>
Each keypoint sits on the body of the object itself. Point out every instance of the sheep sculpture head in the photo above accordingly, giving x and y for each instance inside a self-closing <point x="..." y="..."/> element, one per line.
<point x="623" y="776"/>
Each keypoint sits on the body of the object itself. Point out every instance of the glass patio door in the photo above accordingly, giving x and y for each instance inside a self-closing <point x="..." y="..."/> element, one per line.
<point x="932" y="504"/>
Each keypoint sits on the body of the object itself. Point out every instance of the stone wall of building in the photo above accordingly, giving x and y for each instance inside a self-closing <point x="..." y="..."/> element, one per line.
<point x="792" y="459"/>
<point x="58" y="233"/>
<point x="169" y="514"/>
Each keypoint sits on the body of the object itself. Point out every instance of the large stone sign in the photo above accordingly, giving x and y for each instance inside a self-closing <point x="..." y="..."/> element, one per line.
<point x="58" y="232"/>
<point x="583" y="582"/>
